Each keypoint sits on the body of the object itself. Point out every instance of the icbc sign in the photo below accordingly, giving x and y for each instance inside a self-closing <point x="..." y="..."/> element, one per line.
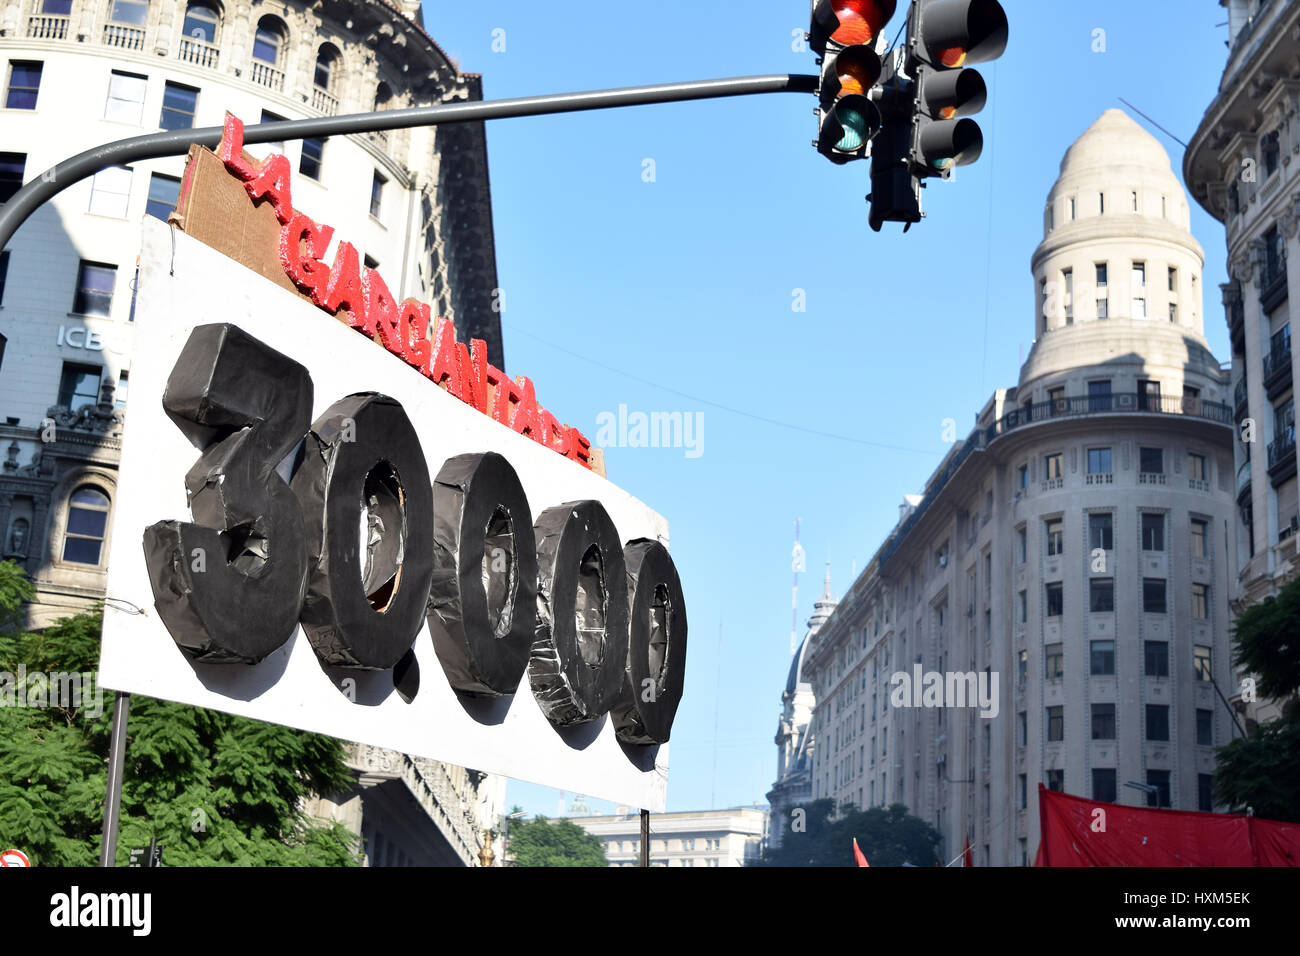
<point x="336" y="524"/>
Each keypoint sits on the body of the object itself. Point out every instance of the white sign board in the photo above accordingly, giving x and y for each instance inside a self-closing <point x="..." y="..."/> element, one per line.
<point x="184" y="284"/>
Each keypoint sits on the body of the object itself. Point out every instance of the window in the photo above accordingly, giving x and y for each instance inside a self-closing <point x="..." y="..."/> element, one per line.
<point x="1103" y="721"/>
<point x="1099" y="461"/>
<point x="1022" y="545"/>
<point x="1102" y="661"/>
<point x="1055" y="538"/>
<point x="1068" y="276"/>
<point x="1201" y="662"/>
<point x="1151" y="461"/>
<point x="1139" y="290"/>
<point x="1055" y="599"/>
<point x="1022" y="607"/>
<point x="1103" y="784"/>
<point x="109" y="192"/>
<point x="1054" y="655"/>
<point x="1022" y="477"/>
<point x="1156" y="658"/>
<point x="125" y="97"/>
<point x="1135" y="202"/>
<point x="1056" y="779"/>
<point x="1101" y="532"/>
<point x="12" y="167"/>
<point x="1022" y="729"/>
<point x="313" y="151"/>
<point x="58" y="8"/>
<point x="1022" y="791"/>
<point x="130" y="11"/>
<point x="24" y="84"/>
<point x="1022" y="667"/>
<point x="1173" y="279"/>
<point x="1268" y="151"/>
<point x="1204" y="727"/>
<point x="377" y="194"/>
<point x="268" y="40"/>
<point x="1205" y="792"/>
<point x="1101" y="197"/>
<point x="1099" y="399"/>
<point x="201" y="22"/>
<point x="1153" y="595"/>
<point x="1101" y="595"/>
<point x="1199" y="531"/>
<point x="1160" y="780"/>
<point x="1052" y="467"/>
<point x="1055" y="723"/>
<point x="87" y="519"/>
<point x="1148" y="395"/>
<point x="119" y="394"/>
<point x="163" y="193"/>
<point x="95" y="281"/>
<point x="326" y="64"/>
<point x="179" y="104"/>
<point x="78" y="386"/>
<point x="1153" y="532"/>
<point x="1103" y="300"/>
<point x="1196" y="468"/>
<point x="1157" y="721"/>
<point x="383" y="96"/>
<point x="1200" y="602"/>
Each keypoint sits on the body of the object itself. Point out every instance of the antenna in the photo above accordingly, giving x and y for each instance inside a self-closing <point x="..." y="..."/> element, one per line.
<point x="797" y="564"/>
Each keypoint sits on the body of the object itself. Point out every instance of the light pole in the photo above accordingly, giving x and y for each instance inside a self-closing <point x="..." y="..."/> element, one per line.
<point x="505" y="834"/>
<point x="1147" y="788"/>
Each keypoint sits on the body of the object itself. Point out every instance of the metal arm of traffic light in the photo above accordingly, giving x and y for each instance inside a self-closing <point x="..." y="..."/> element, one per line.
<point x="50" y="183"/>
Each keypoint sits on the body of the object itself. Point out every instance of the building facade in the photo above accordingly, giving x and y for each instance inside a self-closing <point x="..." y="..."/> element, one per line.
<point x="1243" y="167"/>
<point x="794" y="743"/>
<point x="1070" y="561"/>
<point x="732" y="837"/>
<point x="416" y="203"/>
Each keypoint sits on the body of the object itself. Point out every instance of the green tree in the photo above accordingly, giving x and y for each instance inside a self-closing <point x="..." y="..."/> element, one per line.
<point x="213" y="788"/>
<point x="1262" y="771"/>
<point x="888" y="836"/>
<point x="543" y="842"/>
<point x="15" y="590"/>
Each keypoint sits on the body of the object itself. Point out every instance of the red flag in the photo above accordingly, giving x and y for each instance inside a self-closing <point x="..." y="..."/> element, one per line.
<point x="967" y="858"/>
<point x="857" y="854"/>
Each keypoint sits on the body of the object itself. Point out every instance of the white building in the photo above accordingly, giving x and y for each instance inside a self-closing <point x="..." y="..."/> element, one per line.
<point x="415" y="203"/>
<point x="732" y="837"/>
<point x="1074" y="553"/>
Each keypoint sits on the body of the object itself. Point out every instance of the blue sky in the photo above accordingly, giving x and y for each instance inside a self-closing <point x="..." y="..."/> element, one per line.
<point x="687" y="282"/>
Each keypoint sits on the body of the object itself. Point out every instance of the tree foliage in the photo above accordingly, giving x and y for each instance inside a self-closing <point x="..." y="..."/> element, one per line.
<point x="543" y="842"/>
<point x="15" y="590"/>
<point x="1262" y="771"/>
<point x="213" y="788"/>
<point x="888" y="836"/>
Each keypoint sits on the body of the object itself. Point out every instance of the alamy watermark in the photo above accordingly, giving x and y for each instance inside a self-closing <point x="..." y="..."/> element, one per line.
<point x="947" y="689"/>
<point x="67" y="689"/>
<point x="652" y="430"/>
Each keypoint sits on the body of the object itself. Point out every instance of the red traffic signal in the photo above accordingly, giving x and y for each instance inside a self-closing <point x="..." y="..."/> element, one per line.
<point x="953" y="33"/>
<point x="848" y="22"/>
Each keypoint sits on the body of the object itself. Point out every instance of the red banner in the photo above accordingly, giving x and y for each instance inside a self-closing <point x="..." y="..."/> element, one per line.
<point x="1080" y="832"/>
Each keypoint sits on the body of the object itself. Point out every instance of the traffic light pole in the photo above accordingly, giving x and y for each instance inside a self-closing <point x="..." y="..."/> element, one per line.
<point x="59" y="177"/>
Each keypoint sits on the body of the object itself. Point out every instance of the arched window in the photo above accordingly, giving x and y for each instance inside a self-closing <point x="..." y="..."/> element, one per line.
<point x="201" y="22"/>
<point x="383" y="96"/>
<point x="130" y="11"/>
<point x="327" y="63"/>
<point x="83" y="540"/>
<point x="268" y="40"/>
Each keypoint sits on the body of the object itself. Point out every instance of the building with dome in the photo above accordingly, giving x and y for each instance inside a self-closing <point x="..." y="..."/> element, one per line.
<point x="416" y="203"/>
<point x="794" y="742"/>
<point x="1073" y="556"/>
<point x="1242" y="167"/>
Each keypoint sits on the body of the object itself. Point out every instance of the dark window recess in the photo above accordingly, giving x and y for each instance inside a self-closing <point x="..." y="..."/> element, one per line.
<point x="87" y="518"/>
<point x="95" y="282"/>
<point x="1101" y="532"/>
<point x="1204" y="727"/>
<point x="1153" y="595"/>
<point x="1157" y="721"/>
<point x="1055" y="600"/>
<point x="12" y="168"/>
<point x="179" y="104"/>
<point x="1156" y="659"/>
<point x="78" y="386"/>
<point x="1151" y="461"/>
<point x="1160" y="780"/>
<point x="1153" y="532"/>
<point x="1103" y="658"/>
<point x="1104" y="784"/>
<point x="1103" y="721"/>
<point x="1205" y="792"/>
<point x="313" y="152"/>
<point x="1056" y="723"/>
<point x="1056" y="780"/>
<point x="163" y="193"/>
<point x="24" y="84"/>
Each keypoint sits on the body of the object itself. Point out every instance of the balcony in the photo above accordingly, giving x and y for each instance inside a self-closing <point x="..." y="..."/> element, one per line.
<point x="47" y="28"/>
<point x="198" y="52"/>
<point x="1281" y="457"/>
<point x="268" y="76"/>
<point x="323" y="101"/>
<point x="1240" y="399"/>
<point x="1243" y="481"/>
<point x="120" y="36"/>
<point x="1277" y="364"/>
<point x="1272" y="284"/>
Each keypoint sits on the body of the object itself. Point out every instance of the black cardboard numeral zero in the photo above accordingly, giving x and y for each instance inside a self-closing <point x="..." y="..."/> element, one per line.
<point x="363" y="550"/>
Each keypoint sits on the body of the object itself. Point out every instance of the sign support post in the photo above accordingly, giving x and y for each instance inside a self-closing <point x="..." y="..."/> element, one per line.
<point x="116" y="759"/>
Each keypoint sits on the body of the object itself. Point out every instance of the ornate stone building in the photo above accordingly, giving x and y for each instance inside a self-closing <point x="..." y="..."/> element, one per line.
<point x="1243" y="167"/>
<point x="794" y="743"/>
<point x="415" y="202"/>
<point x="1072" y="557"/>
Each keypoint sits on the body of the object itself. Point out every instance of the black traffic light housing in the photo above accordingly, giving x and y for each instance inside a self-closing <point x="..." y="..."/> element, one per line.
<point x="843" y="33"/>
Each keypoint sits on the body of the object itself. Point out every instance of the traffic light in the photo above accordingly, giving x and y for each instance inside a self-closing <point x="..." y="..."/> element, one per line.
<point x="843" y="33"/>
<point x="943" y="36"/>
